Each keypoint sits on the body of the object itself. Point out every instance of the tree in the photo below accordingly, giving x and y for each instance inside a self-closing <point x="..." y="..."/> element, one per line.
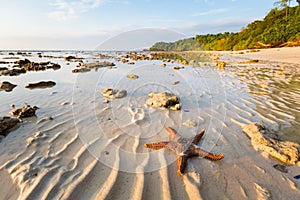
<point x="298" y="2"/>
<point x="285" y="4"/>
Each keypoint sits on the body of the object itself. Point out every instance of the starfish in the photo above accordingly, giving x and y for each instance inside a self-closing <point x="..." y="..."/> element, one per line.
<point x="184" y="148"/>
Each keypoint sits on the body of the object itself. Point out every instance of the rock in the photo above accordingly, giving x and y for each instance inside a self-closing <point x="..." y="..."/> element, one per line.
<point x="184" y="62"/>
<point x="12" y="72"/>
<point x="164" y="100"/>
<point x="72" y="59"/>
<point x="163" y="65"/>
<point x="89" y="66"/>
<point x="42" y="84"/>
<point x="54" y="66"/>
<point x="281" y="168"/>
<point x="176" y="68"/>
<point x="221" y="65"/>
<point x="7" y="123"/>
<point x="113" y="94"/>
<point x="24" y="112"/>
<point x="81" y="70"/>
<point x="175" y="82"/>
<point x="132" y="76"/>
<point x="106" y="101"/>
<point x="22" y="62"/>
<point x="124" y="60"/>
<point x="7" y="86"/>
<point x="131" y="63"/>
<point x="263" y="140"/>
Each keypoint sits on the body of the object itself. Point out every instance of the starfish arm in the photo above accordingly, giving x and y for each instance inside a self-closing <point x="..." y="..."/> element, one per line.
<point x="181" y="164"/>
<point x="198" y="137"/>
<point x="208" y="155"/>
<point x="172" y="133"/>
<point x="156" y="146"/>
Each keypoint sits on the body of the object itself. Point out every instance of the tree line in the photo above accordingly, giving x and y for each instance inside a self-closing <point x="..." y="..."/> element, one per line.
<point x="280" y="27"/>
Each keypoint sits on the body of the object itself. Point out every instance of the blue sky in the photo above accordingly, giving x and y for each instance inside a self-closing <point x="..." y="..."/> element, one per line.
<point x="85" y="24"/>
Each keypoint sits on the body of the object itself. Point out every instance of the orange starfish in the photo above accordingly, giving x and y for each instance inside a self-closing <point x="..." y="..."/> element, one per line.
<point x="184" y="148"/>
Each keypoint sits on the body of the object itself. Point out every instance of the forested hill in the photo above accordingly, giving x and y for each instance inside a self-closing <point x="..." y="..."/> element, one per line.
<point x="275" y="30"/>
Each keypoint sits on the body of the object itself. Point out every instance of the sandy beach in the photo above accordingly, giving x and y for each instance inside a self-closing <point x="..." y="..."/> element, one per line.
<point x="82" y="145"/>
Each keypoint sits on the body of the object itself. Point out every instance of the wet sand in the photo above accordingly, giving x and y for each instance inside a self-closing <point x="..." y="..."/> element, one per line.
<point x="94" y="150"/>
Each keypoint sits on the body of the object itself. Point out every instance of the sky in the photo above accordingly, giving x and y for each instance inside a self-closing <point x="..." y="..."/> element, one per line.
<point x="87" y="24"/>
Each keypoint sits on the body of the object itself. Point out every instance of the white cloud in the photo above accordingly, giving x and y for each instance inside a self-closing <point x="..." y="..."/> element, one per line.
<point x="65" y="10"/>
<point x="211" y="12"/>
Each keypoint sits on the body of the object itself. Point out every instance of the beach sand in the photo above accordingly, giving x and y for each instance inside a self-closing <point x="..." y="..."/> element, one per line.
<point x="94" y="150"/>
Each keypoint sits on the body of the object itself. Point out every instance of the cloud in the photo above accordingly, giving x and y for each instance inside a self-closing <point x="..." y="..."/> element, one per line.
<point x="211" y="12"/>
<point x="65" y="10"/>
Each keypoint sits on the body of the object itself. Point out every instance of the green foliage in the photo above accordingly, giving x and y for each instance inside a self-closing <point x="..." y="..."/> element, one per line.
<point x="274" y="30"/>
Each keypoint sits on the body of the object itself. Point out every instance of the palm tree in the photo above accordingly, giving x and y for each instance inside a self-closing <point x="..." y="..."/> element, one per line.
<point x="285" y="4"/>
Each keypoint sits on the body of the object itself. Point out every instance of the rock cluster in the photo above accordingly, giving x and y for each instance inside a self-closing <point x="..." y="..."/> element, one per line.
<point x="7" y="86"/>
<point x="89" y="66"/>
<point x="114" y="94"/>
<point x="164" y="100"/>
<point x="22" y="66"/>
<point x="25" y="111"/>
<point x="263" y="140"/>
<point x="41" y="84"/>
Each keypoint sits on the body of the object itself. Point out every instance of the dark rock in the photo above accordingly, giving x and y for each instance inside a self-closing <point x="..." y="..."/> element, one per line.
<point x="72" y="59"/>
<point x="297" y="177"/>
<point x="24" y="112"/>
<point x="281" y="168"/>
<point x="42" y="84"/>
<point x="7" y="123"/>
<point x="23" y="62"/>
<point x="81" y="70"/>
<point x="7" y="86"/>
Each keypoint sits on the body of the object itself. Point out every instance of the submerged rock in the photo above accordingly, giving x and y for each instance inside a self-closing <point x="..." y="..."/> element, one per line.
<point x="263" y="140"/>
<point x="7" y="86"/>
<point x="164" y="100"/>
<point x="25" y="111"/>
<point x="7" y="123"/>
<point x="113" y="94"/>
<point x="42" y="84"/>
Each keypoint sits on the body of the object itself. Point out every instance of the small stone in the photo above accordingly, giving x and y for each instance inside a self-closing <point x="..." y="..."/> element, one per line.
<point x="113" y="94"/>
<point x="132" y="76"/>
<point x="175" y="82"/>
<point x="105" y="101"/>
<point x="281" y="168"/>
<point x="163" y="65"/>
<point x="221" y="65"/>
<point x="176" y="68"/>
